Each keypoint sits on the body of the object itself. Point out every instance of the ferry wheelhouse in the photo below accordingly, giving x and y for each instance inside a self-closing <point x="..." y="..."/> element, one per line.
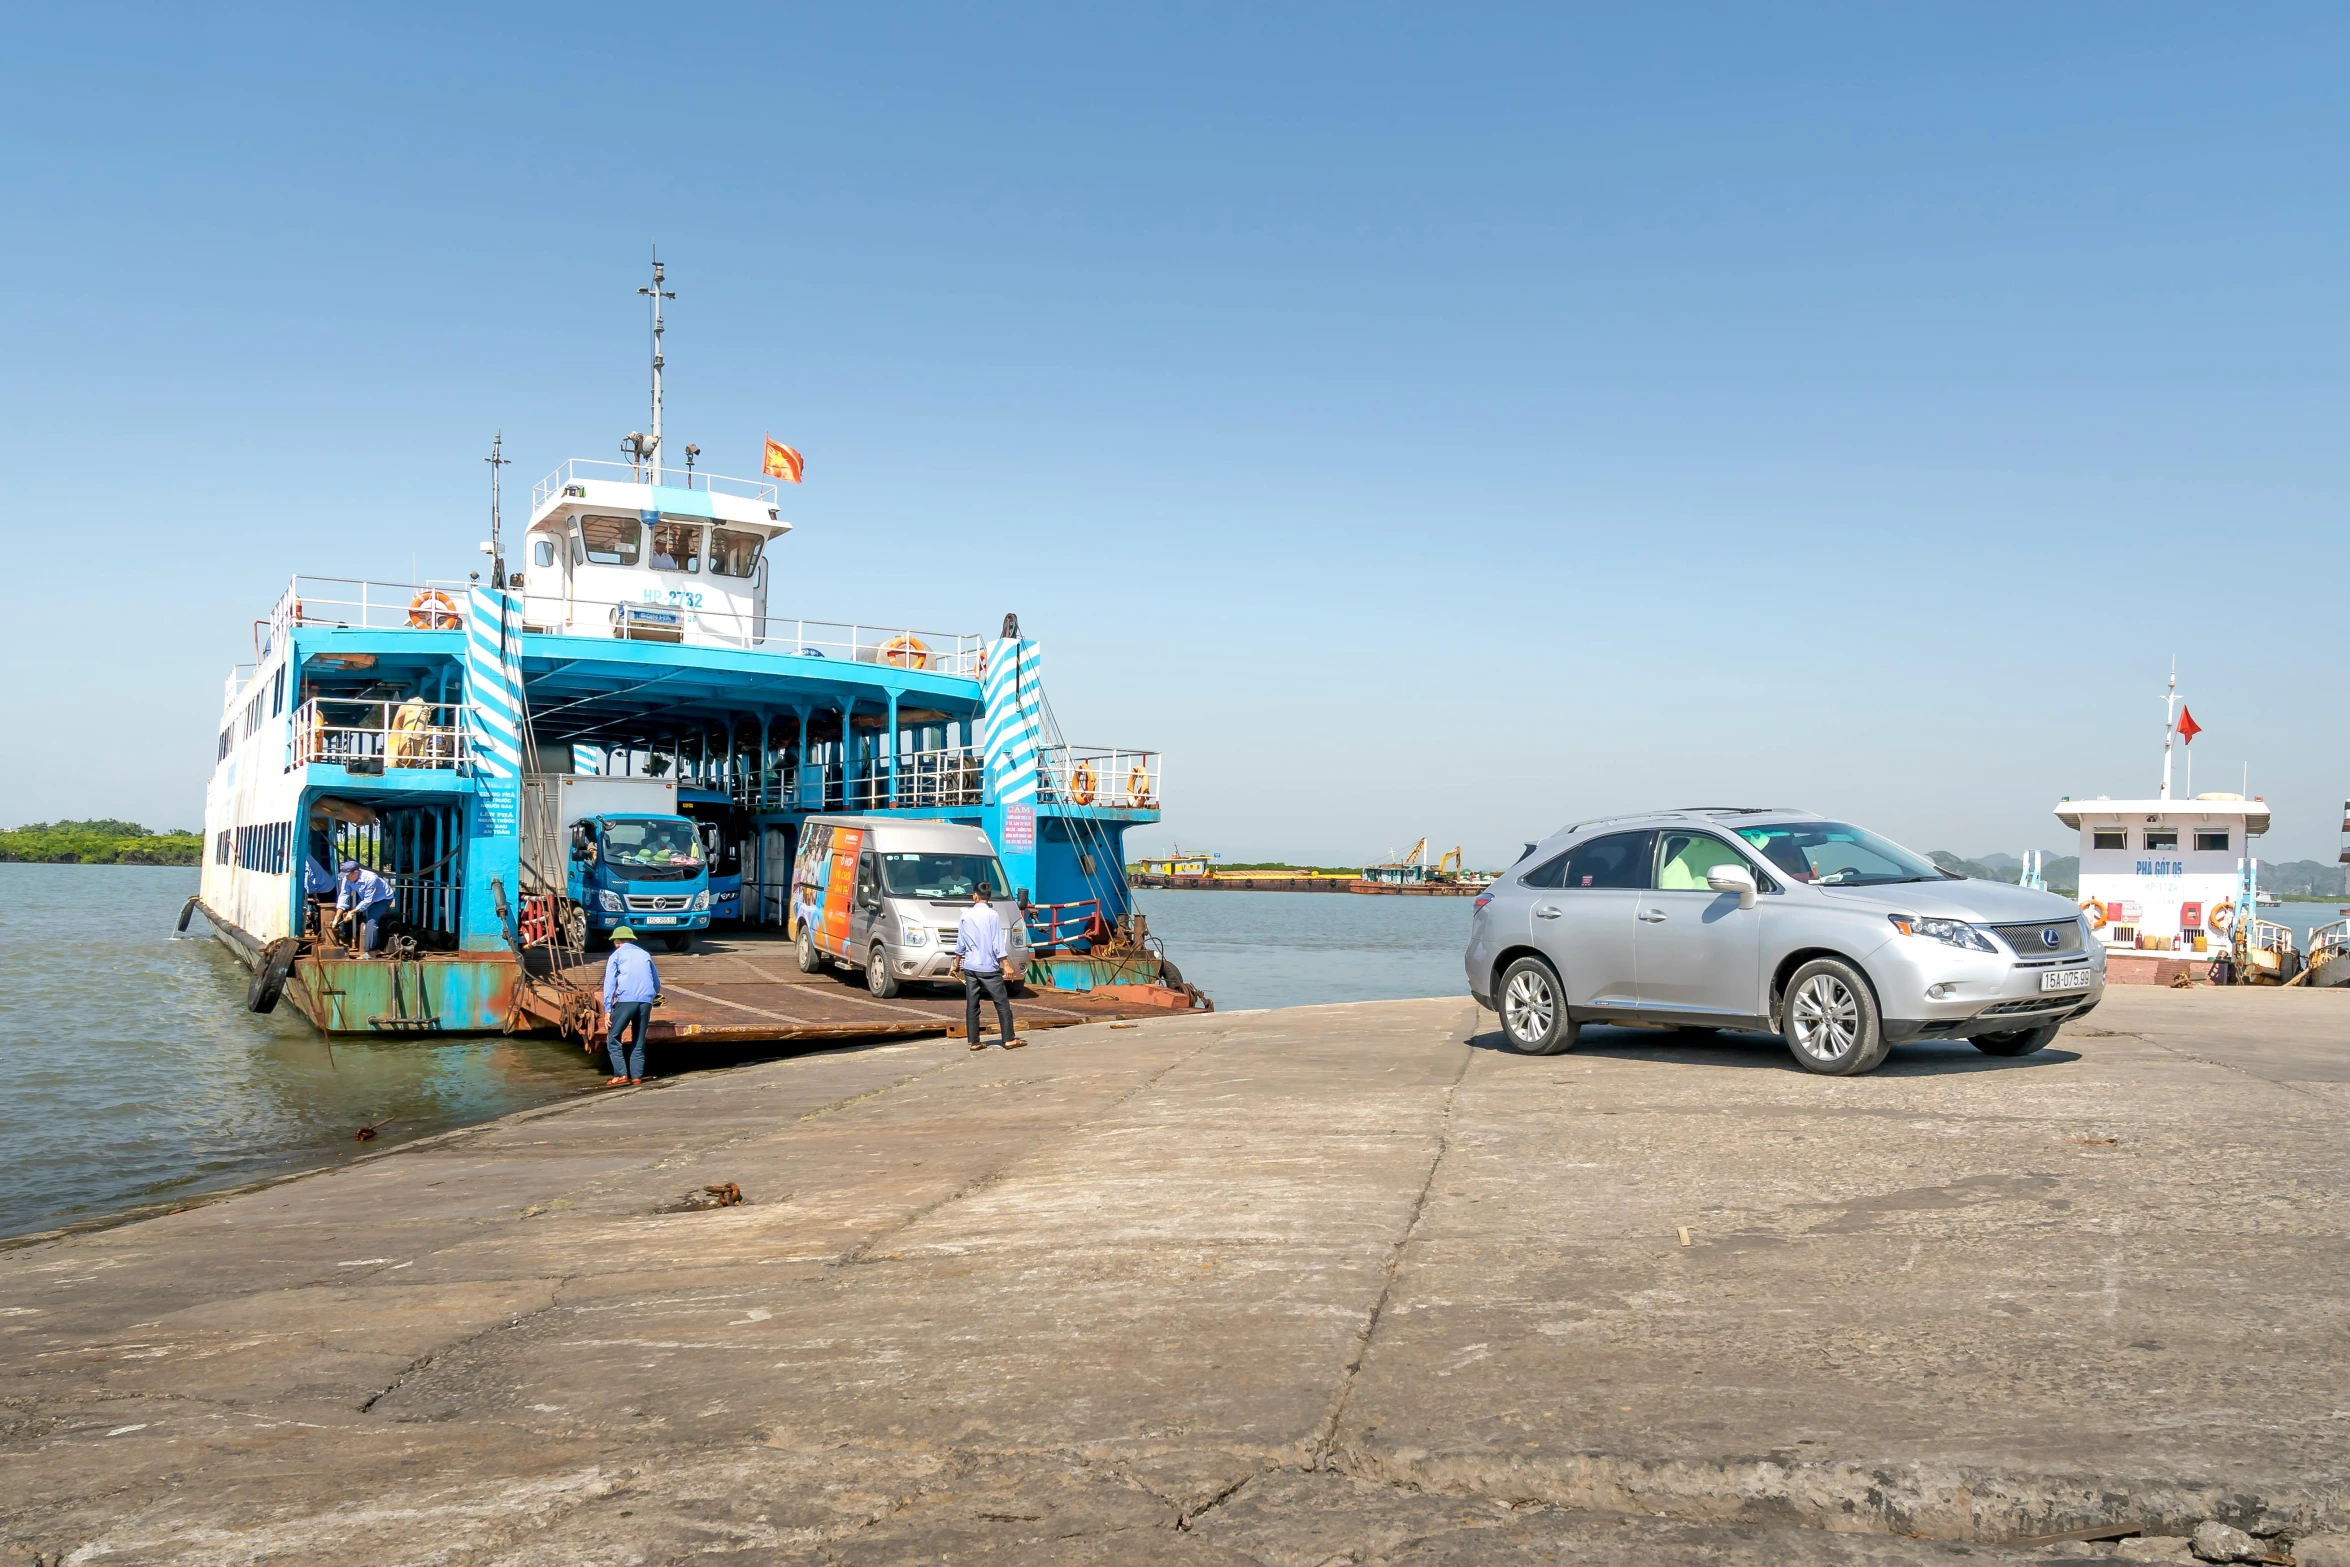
<point x="394" y="724"/>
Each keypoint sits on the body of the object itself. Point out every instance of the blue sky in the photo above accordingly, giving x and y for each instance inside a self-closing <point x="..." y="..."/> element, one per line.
<point x="1452" y="421"/>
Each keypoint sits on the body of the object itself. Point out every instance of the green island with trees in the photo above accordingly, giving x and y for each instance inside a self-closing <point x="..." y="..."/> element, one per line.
<point x="104" y="842"/>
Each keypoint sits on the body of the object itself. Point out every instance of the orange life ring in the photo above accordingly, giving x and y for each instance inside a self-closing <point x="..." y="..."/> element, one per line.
<point x="1081" y="784"/>
<point x="433" y="610"/>
<point x="1138" y="785"/>
<point x="2095" y="909"/>
<point x="983" y="663"/>
<point x="906" y="651"/>
<point x="2221" y="917"/>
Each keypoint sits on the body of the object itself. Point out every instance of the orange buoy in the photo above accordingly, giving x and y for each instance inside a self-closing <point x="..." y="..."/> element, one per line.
<point x="433" y="610"/>
<point x="1081" y="784"/>
<point x="907" y="651"/>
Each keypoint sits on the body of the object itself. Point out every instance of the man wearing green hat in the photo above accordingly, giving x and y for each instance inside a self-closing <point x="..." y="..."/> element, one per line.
<point x="631" y="986"/>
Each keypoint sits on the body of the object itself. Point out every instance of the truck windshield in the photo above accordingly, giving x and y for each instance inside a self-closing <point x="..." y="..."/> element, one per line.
<point x="651" y="843"/>
<point x="941" y="875"/>
<point x="1835" y="854"/>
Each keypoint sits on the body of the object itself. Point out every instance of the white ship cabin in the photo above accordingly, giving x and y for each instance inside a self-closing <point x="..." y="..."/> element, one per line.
<point x="620" y="550"/>
<point x="2162" y="875"/>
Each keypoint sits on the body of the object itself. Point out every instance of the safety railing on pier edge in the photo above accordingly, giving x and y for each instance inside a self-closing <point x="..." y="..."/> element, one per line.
<point x="349" y="603"/>
<point x="579" y="471"/>
<point x="371" y="735"/>
<point x="1100" y="776"/>
<point x="2327" y="942"/>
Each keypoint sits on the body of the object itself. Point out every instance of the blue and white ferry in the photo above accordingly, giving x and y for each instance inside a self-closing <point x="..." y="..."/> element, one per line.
<point x="638" y="635"/>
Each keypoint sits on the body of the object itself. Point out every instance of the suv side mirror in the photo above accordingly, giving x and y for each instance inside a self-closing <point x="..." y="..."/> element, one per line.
<point x="1733" y="878"/>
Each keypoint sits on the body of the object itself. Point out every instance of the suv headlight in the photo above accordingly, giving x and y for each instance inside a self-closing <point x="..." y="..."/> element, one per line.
<point x="1954" y="933"/>
<point x="701" y="900"/>
<point x="612" y="901"/>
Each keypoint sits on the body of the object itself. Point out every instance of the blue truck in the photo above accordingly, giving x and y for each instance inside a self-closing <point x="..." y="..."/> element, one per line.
<point x="622" y="854"/>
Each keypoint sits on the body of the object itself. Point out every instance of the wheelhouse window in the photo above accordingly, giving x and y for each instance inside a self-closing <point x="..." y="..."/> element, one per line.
<point x="542" y="550"/>
<point x="733" y="553"/>
<point x="2209" y="842"/>
<point x="2162" y="837"/>
<point x="611" y="541"/>
<point x="2108" y="838"/>
<point x="677" y="546"/>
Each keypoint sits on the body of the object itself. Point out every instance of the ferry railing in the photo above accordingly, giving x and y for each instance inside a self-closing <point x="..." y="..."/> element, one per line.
<point x="1052" y="925"/>
<point x="582" y="470"/>
<point x="2327" y="942"/>
<point x="1098" y="776"/>
<point x="352" y="603"/>
<point x="410" y="733"/>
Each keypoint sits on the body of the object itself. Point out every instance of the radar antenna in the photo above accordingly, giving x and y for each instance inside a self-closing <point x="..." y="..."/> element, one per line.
<point x="657" y="294"/>
<point x="497" y="545"/>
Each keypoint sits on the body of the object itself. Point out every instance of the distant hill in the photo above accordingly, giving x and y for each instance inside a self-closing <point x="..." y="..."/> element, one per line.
<point x="102" y="842"/>
<point x="2061" y="872"/>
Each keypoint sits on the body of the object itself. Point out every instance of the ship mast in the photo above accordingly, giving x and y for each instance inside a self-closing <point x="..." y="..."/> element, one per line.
<point x="2170" y="725"/>
<point x="497" y="545"/>
<point x="657" y="293"/>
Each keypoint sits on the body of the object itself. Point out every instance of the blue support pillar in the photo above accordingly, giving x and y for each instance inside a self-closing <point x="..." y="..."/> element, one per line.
<point x="893" y="748"/>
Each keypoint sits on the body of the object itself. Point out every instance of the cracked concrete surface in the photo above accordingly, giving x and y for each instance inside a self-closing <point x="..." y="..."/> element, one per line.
<point x="1333" y="1284"/>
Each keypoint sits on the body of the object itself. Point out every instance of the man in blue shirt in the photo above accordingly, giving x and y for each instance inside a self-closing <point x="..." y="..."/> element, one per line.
<point x="367" y="897"/>
<point x="979" y="946"/>
<point x="318" y="885"/>
<point x="631" y="986"/>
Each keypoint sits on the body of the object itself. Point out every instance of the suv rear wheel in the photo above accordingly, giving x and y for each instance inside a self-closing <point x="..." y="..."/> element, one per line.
<point x="1831" y="1019"/>
<point x="1534" y="1010"/>
<point x="2019" y="1042"/>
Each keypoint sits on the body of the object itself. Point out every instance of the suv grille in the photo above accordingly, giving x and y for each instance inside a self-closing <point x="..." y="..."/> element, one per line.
<point x="2025" y="939"/>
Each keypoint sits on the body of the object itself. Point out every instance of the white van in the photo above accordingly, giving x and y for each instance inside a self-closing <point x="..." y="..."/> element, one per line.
<point x="884" y="894"/>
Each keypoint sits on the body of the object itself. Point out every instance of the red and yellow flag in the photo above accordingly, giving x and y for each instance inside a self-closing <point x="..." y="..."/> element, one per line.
<point x="782" y="462"/>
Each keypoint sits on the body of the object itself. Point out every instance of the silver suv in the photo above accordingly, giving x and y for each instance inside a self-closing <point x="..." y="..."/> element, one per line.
<point x="1777" y="920"/>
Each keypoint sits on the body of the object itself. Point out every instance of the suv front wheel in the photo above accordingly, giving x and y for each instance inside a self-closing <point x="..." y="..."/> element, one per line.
<point x="1534" y="1010"/>
<point x="1832" y="1025"/>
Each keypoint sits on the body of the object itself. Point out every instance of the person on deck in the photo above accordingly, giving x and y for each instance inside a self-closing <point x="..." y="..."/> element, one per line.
<point x="318" y="885"/>
<point x="363" y="900"/>
<point x="979" y="947"/>
<point x="631" y="986"/>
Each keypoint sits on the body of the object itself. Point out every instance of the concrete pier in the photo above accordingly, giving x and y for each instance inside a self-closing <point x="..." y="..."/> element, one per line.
<point x="1331" y="1284"/>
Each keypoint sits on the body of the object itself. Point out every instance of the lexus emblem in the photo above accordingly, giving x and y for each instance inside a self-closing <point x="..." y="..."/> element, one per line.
<point x="2052" y="938"/>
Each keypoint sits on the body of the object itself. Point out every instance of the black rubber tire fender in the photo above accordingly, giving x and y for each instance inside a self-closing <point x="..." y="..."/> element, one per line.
<point x="188" y="910"/>
<point x="1169" y="975"/>
<point x="2019" y="1042"/>
<point x="269" y="975"/>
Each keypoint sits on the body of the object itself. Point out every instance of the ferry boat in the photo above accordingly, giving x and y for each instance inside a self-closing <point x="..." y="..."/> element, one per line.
<point x="641" y="635"/>
<point x="2170" y="886"/>
<point x="1411" y="873"/>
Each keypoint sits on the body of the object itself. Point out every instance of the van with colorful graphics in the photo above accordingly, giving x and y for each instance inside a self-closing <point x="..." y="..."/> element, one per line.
<point x="885" y="895"/>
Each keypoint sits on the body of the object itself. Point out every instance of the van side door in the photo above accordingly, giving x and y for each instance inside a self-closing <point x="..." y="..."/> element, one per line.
<point x="865" y="908"/>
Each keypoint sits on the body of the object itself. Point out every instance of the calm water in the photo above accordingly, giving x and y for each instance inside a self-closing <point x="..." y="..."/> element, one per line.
<point x="136" y="1074"/>
<point x="1285" y="949"/>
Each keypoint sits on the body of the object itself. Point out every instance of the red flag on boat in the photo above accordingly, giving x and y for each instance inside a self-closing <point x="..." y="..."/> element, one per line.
<point x="2188" y="728"/>
<point x="782" y="462"/>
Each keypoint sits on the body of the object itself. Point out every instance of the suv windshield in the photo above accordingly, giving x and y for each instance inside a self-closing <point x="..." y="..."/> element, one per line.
<point x="940" y="875"/>
<point x="1836" y="854"/>
<point x="651" y="843"/>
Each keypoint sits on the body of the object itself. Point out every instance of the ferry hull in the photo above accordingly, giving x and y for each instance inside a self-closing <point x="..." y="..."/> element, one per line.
<point x="439" y="993"/>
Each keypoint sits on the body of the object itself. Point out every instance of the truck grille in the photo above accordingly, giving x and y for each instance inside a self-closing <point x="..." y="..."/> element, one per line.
<point x="637" y="905"/>
<point x="2026" y="941"/>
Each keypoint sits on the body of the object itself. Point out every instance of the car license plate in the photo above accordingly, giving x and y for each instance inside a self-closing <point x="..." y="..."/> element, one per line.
<point x="660" y="919"/>
<point x="2066" y="979"/>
